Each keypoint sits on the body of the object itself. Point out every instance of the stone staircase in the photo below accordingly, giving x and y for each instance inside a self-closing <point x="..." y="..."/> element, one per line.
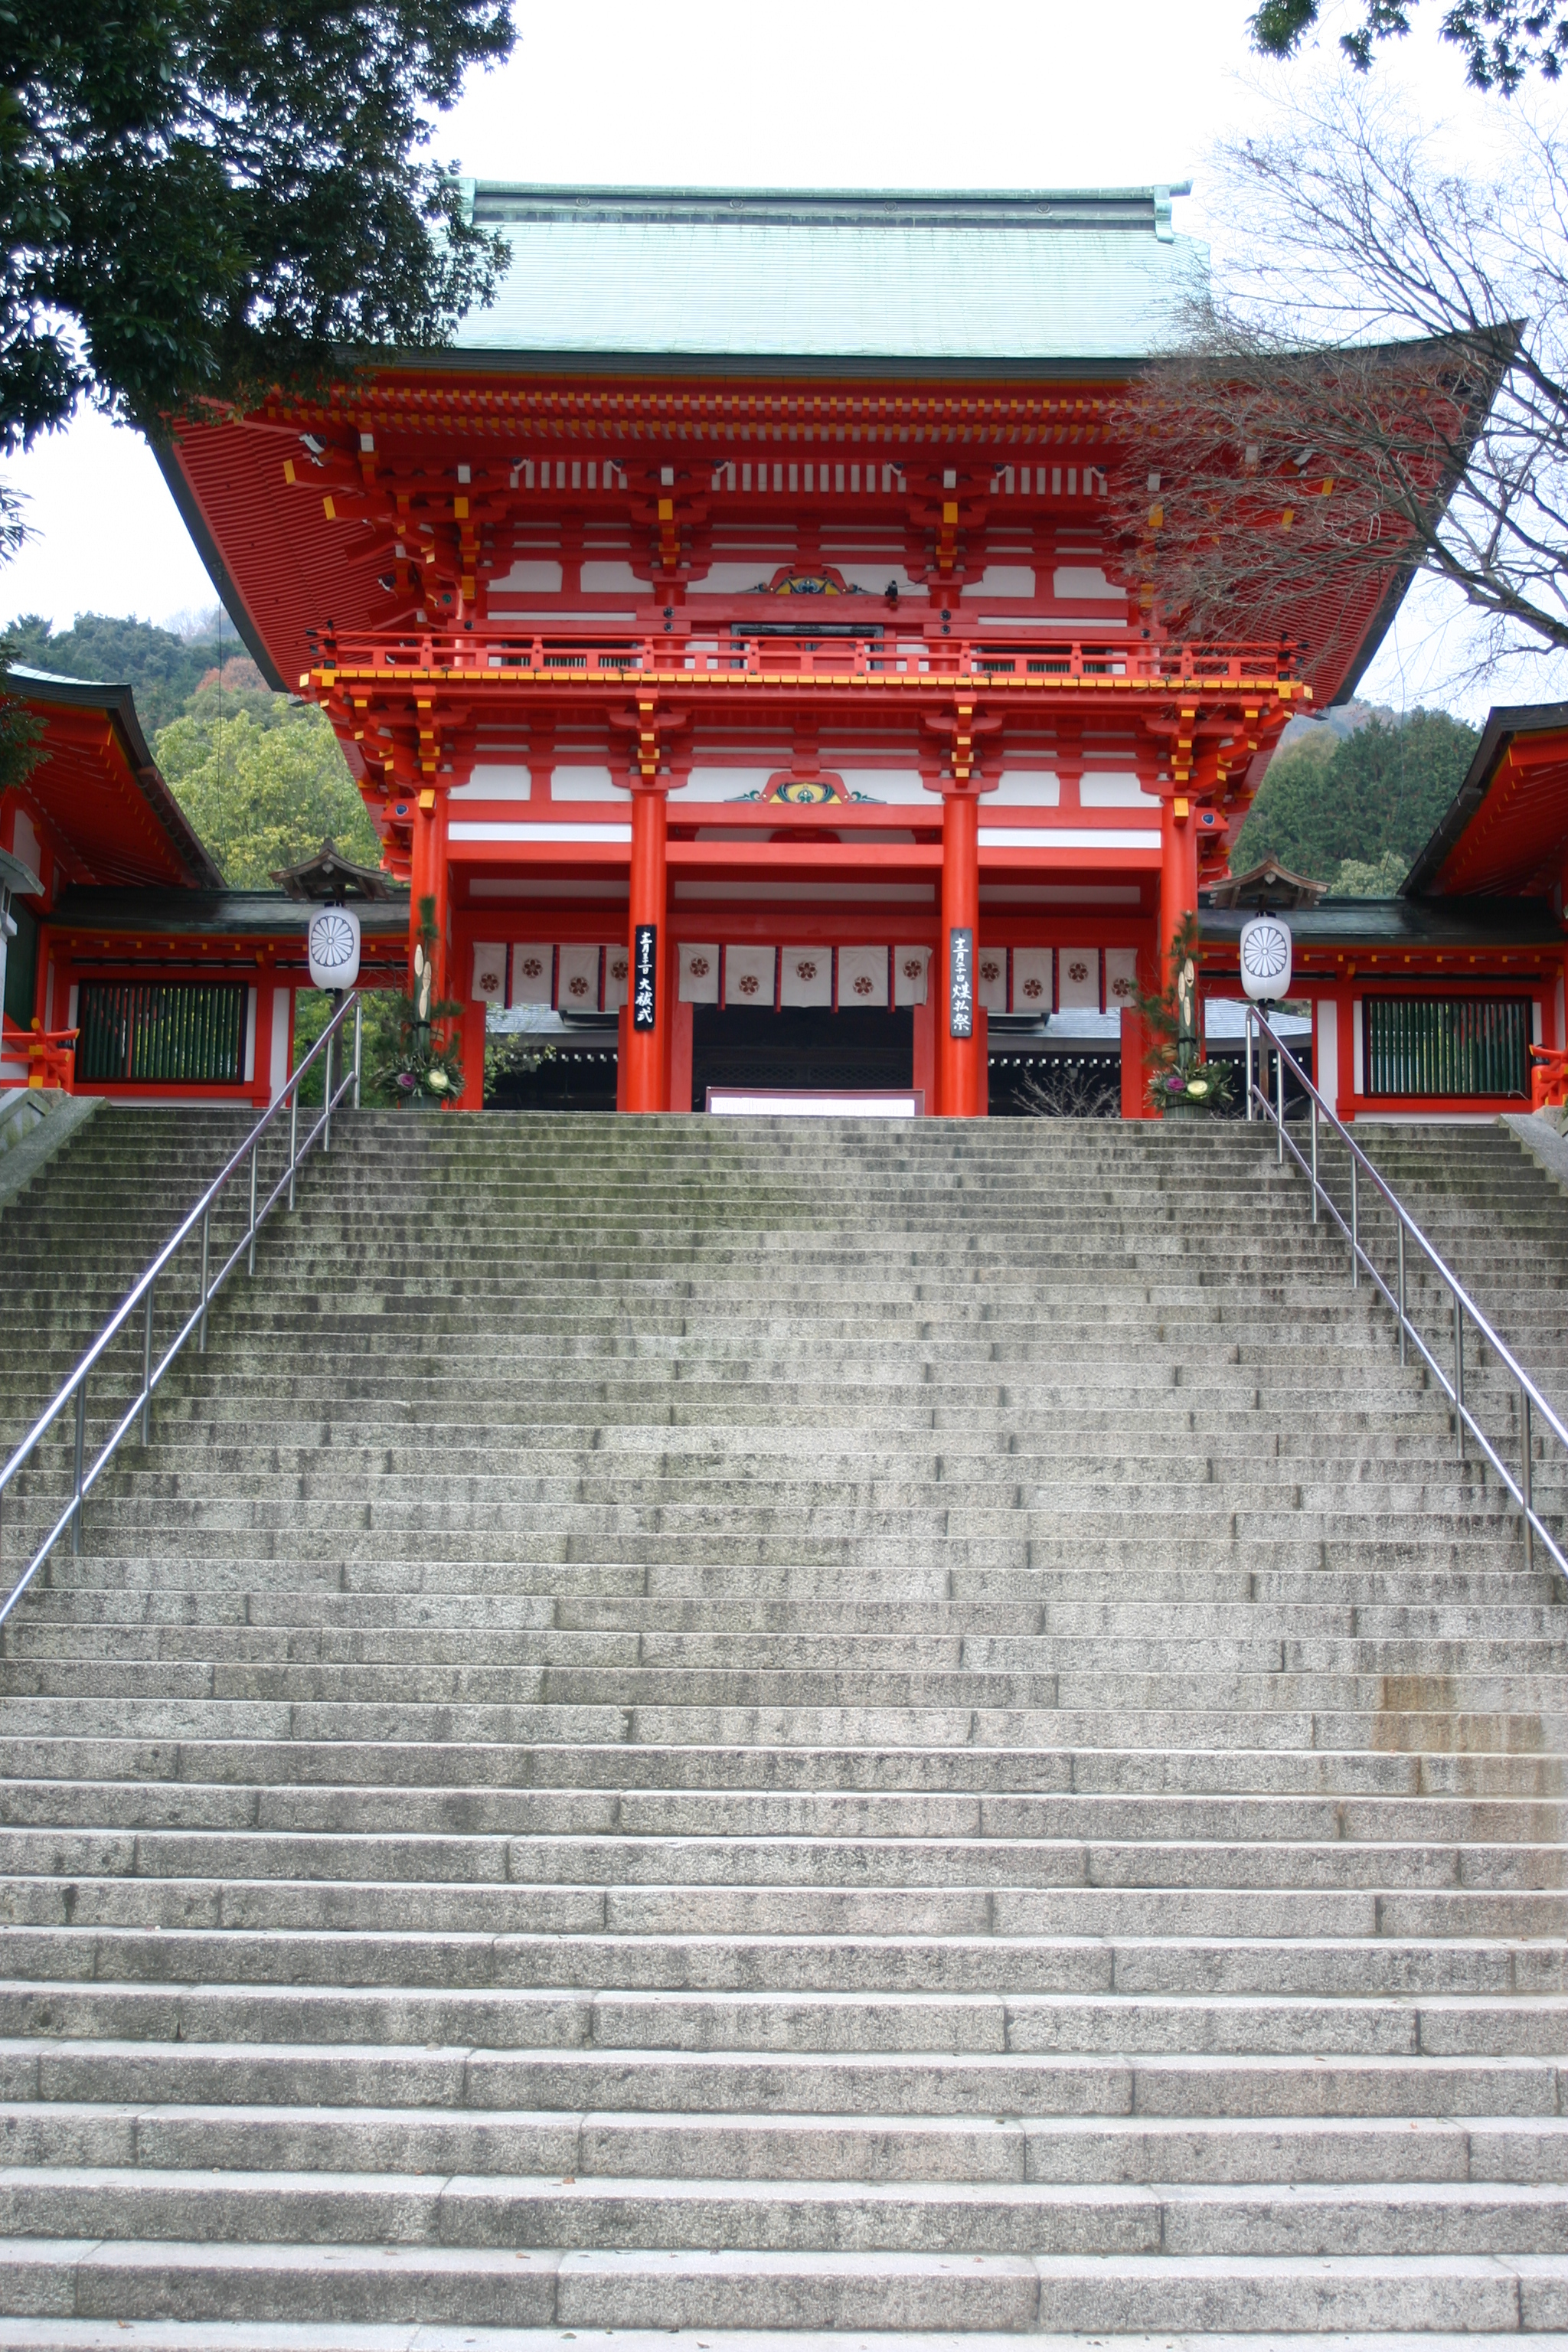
<point x="1501" y="1221"/>
<point x="772" y="1728"/>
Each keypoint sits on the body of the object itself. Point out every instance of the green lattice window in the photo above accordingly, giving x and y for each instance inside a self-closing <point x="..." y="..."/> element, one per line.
<point x="1452" y="1045"/>
<point x="161" y="1031"/>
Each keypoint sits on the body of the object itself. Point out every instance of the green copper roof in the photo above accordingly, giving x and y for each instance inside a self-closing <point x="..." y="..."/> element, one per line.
<point x="1042" y="277"/>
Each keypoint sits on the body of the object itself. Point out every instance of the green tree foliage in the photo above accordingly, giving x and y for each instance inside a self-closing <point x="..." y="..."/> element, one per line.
<point x="202" y="198"/>
<point x="1502" y="40"/>
<point x="164" y="669"/>
<point x="19" y="731"/>
<point x="380" y="1044"/>
<point x="264" y="791"/>
<point x="237" y="688"/>
<point x="1366" y="878"/>
<point x="1374" y="797"/>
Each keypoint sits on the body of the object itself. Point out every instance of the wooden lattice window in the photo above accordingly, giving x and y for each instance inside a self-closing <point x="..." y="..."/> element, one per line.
<point x="161" y="1033"/>
<point x="1447" y="1045"/>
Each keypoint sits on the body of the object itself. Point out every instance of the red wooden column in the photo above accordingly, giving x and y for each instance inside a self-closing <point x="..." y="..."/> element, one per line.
<point x="961" y="1071"/>
<point x="441" y="889"/>
<point x="647" y="1017"/>
<point x="1178" y="874"/>
<point x="1135" y="1038"/>
<point x="430" y="877"/>
<point x="421" y="867"/>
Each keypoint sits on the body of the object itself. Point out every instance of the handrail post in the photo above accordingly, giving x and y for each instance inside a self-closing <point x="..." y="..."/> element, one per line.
<point x="147" y="1369"/>
<point x="80" y="1444"/>
<point x="327" y="1095"/>
<point x="1315" y="1184"/>
<point x="1248" y="1028"/>
<point x="1279" y="1096"/>
<point x="1458" y="1373"/>
<point x="70" y="1397"/>
<point x="1355" y="1227"/>
<point x="359" y="1043"/>
<point x="1404" y="1318"/>
<point x="1526" y="1477"/>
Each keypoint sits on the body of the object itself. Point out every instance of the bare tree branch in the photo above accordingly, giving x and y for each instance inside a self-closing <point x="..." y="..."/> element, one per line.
<point x="1381" y="391"/>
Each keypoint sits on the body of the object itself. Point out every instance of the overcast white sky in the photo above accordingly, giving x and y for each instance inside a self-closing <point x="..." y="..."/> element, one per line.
<point x="1029" y="93"/>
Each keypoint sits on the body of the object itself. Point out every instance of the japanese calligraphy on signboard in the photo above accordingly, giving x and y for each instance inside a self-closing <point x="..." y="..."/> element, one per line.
<point x="645" y="960"/>
<point x="961" y="984"/>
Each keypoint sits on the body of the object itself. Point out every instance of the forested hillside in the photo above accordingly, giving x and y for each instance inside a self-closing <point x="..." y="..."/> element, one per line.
<point x="1354" y="811"/>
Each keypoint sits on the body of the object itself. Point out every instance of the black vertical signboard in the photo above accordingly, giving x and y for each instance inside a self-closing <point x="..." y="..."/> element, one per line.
<point x="644" y="982"/>
<point x="961" y="984"/>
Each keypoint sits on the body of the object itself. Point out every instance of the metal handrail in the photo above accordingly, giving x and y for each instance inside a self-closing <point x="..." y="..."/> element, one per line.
<point x="72" y="1396"/>
<point x="1532" y="1405"/>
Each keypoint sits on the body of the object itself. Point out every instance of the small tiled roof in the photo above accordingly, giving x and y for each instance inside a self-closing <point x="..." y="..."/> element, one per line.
<point x="1268" y="885"/>
<point x="328" y="874"/>
<point x="1034" y="276"/>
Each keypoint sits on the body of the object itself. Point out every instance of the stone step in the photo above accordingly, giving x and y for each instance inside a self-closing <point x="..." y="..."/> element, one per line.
<point x="1162" y="1965"/>
<point x="475" y="2288"/>
<point x="1028" y="2219"/>
<point x="813" y="2022"/>
<point x="1061" y="2151"/>
<point x="508" y="1908"/>
<point x="740" y="1770"/>
<point x="463" y="2078"/>
<point x="1107" y="1819"/>
<point x="818" y="1731"/>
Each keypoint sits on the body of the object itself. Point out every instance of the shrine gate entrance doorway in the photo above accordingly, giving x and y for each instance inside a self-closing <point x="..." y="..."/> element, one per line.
<point x="800" y="1046"/>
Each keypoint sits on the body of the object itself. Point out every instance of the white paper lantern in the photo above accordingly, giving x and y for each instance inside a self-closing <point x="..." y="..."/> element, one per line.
<point x="1266" y="958"/>
<point x="331" y="940"/>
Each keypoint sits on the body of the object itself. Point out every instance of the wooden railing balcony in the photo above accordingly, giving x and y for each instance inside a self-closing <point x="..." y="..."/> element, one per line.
<point x="895" y="659"/>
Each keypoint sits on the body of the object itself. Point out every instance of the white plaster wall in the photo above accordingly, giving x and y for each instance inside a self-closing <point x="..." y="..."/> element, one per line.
<point x="1003" y="580"/>
<point x="542" y="578"/>
<point x="610" y="579"/>
<point x="1326" y="1051"/>
<point x="278" y="1066"/>
<point x="1118" y="790"/>
<point x="582" y="784"/>
<point x="720" y="784"/>
<point x="496" y="781"/>
<point x="1025" y="788"/>
<point x="1073" y="583"/>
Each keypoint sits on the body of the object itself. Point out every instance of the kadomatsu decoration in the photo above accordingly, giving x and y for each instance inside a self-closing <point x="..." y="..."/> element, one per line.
<point x="1181" y="1080"/>
<point x="428" y="1069"/>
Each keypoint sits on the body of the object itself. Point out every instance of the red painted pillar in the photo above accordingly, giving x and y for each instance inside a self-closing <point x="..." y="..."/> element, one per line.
<point x="1178" y="875"/>
<point x="648" y="1022"/>
<point x="428" y="878"/>
<point x="441" y="890"/>
<point x="1134" y="1073"/>
<point x="960" y="1076"/>
<point x="421" y="853"/>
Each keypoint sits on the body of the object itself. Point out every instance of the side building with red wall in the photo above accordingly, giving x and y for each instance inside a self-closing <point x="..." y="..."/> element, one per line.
<point x="178" y="988"/>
